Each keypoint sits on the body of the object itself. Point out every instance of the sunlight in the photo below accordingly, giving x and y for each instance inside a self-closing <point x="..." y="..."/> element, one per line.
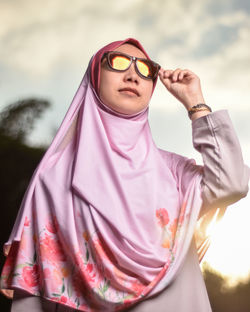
<point x="229" y="252"/>
<point x="214" y="224"/>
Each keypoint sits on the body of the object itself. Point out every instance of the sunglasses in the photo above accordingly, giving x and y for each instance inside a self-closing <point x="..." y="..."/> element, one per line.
<point x="120" y="62"/>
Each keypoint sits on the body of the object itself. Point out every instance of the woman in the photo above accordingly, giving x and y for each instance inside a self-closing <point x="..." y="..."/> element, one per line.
<point x="107" y="222"/>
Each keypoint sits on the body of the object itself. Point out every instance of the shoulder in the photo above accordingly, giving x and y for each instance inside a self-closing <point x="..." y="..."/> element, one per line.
<point x="174" y="158"/>
<point x="176" y="162"/>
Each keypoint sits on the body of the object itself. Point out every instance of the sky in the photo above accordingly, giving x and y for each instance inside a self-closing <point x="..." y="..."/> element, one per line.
<point x="45" y="47"/>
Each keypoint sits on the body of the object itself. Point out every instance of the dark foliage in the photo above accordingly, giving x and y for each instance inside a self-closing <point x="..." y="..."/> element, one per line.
<point x="17" y="163"/>
<point x="224" y="298"/>
<point x="17" y="120"/>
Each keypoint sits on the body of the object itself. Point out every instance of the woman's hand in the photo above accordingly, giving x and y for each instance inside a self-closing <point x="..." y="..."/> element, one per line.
<point x="184" y="85"/>
<point x="7" y="293"/>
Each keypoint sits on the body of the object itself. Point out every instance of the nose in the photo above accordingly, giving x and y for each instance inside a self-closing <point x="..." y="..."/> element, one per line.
<point x="131" y="75"/>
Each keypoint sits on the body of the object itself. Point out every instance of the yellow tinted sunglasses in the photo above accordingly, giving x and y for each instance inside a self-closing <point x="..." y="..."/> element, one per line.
<point x="120" y="61"/>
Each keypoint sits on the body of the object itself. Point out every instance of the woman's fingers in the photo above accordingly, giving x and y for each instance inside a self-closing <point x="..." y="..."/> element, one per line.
<point x="7" y="293"/>
<point x="174" y="75"/>
<point x="165" y="73"/>
<point x="185" y="73"/>
<point x="182" y="74"/>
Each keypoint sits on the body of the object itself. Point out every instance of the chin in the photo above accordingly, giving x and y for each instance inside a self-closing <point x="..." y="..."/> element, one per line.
<point x="130" y="111"/>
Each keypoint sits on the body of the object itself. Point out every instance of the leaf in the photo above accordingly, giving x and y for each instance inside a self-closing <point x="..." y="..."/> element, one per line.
<point x="34" y="259"/>
<point x="20" y="266"/>
<point x="77" y="301"/>
<point x="56" y="295"/>
<point x="106" y="286"/>
<point x="128" y="297"/>
<point x="100" y="292"/>
<point x="87" y="255"/>
<point x="63" y="288"/>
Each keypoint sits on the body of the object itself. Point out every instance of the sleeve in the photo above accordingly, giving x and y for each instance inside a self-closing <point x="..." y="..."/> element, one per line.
<point x="225" y="176"/>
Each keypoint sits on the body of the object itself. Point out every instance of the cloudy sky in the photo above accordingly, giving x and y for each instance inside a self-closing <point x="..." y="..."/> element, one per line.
<point x="45" y="47"/>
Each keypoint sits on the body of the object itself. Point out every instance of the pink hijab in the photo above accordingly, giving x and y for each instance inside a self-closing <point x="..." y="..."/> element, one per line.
<point x="108" y="217"/>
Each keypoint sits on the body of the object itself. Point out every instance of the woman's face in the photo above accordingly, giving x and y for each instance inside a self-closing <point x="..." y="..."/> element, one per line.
<point x="112" y="83"/>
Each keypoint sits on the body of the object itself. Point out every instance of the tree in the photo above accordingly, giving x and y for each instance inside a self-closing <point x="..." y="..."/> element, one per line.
<point x="17" y="119"/>
<point x="18" y="162"/>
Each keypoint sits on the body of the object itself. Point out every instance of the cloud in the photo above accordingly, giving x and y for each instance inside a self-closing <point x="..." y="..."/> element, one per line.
<point x="48" y="44"/>
<point x="39" y="36"/>
<point x="225" y="6"/>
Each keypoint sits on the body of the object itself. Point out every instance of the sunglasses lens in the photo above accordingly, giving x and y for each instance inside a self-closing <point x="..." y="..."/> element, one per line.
<point x="144" y="68"/>
<point x="119" y="62"/>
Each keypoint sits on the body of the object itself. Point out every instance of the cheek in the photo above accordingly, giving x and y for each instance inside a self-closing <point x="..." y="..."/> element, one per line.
<point x="107" y="82"/>
<point x="103" y="88"/>
<point x="148" y="90"/>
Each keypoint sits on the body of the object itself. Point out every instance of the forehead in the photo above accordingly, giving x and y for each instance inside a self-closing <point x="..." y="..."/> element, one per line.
<point x="131" y="50"/>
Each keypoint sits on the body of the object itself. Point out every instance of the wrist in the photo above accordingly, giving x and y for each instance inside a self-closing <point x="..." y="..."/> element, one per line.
<point x="199" y="114"/>
<point x="199" y="110"/>
<point x="193" y="100"/>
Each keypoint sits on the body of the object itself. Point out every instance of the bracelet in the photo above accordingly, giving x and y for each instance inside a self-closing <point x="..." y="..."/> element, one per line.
<point x="198" y="108"/>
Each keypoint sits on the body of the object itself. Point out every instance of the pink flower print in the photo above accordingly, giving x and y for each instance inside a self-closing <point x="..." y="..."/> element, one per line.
<point x="162" y="216"/>
<point x="173" y="228"/>
<point x="86" y="235"/>
<point x="78" y="284"/>
<point x="90" y="275"/>
<point x="86" y="270"/>
<point x="119" y="276"/>
<point x="102" y="250"/>
<point x="52" y="225"/>
<point x="79" y="261"/>
<point x="46" y="273"/>
<point x="51" y="249"/>
<point x="65" y="271"/>
<point x="56" y="281"/>
<point x="10" y="260"/>
<point x="30" y="275"/>
<point x="63" y="299"/>
<point x="137" y="287"/>
<point x="166" y="243"/>
<point x="26" y="222"/>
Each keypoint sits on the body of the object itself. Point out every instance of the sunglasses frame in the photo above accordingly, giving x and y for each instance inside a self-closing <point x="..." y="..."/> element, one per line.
<point x="133" y="59"/>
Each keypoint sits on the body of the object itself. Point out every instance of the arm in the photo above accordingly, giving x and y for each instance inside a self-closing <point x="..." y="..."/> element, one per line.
<point x="226" y="177"/>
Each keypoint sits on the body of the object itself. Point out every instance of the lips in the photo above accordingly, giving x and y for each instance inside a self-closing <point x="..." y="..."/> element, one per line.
<point x="131" y="90"/>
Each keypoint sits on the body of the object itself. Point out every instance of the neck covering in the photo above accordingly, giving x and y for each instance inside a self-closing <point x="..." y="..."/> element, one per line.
<point x="106" y="221"/>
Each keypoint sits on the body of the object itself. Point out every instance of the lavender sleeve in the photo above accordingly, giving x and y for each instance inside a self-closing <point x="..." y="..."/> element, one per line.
<point x="225" y="176"/>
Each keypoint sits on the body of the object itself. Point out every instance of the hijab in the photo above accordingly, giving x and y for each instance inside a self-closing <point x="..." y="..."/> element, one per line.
<point x="108" y="217"/>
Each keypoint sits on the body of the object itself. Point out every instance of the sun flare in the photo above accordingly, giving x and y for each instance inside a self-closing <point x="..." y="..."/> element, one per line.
<point x="229" y="252"/>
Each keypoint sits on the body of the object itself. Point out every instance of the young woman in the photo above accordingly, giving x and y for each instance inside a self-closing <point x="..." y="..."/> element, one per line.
<point x="108" y="220"/>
